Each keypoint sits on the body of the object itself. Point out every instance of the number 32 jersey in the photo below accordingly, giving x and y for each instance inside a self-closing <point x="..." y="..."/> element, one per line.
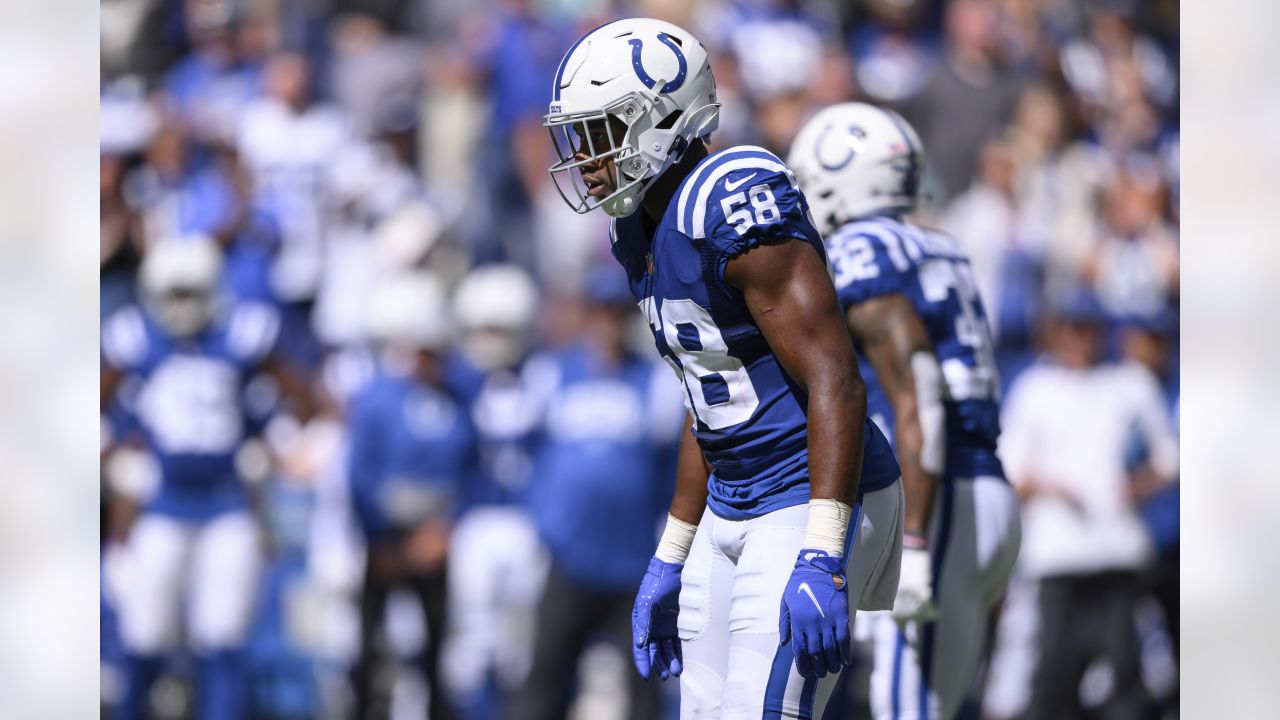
<point x="749" y="415"/>
<point x="883" y="255"/>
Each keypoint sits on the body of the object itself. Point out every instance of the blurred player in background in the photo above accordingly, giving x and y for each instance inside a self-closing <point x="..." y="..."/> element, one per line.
<point x="915" y="314"/>
<point x="602" y="481"/>
<point x="192" y="351"/>
<point x="497" y="562"/>
<point x="796" y="492"/>
<point x="411" y="445"/>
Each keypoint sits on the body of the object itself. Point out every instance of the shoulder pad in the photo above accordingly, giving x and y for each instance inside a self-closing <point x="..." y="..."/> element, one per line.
<point x="124" y="338"/>
<point x="871" y="257"/>
<point x="252" y="331"/>
<point x="723" y="175"/>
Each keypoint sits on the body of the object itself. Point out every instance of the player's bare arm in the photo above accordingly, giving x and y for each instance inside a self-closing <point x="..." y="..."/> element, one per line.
<point x="892" y="337"/>
<point x="791" y="299"/>
<point x="108" y="380"/>
<point x="292" y="386"/>
<point x="690" y="498"/>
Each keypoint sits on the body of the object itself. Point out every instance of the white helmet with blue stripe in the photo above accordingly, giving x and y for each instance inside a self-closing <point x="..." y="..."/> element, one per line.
<point x="855" y="160"/>
<point x="629" y="96"/>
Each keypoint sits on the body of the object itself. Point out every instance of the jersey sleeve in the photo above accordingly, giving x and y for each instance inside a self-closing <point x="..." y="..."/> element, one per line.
<point x="365" y="462"/>
<point x="742" y="199"/>
<point x="124" y="343"/>
<point x="867" y="261"/>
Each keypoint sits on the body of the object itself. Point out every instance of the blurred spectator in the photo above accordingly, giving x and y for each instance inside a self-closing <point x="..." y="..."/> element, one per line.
<point x="970" y="94"/>
<point x="373" y="74"/>
<point x="984" y="219"/>
<point x="1110" y="37"/>
<point x="894" y="50"/>
<point x="120" y="238"/>
<point x="497" y="559"/>
<point x="1068" y="422"/>
<point x="411" y="443"/>
<point x="288" y="142"/>
<point x="1135" y="264"/>
<point x="793" y="37"/>
<point x="210" y="87"/>
<point x="518" y="56"/>
<point x="126" y="117"/>
<point x="381" y="223"/>
<point x="603" y="479"/>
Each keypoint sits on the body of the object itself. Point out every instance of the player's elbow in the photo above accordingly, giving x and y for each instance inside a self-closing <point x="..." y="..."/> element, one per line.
<point x="843" y="386"/>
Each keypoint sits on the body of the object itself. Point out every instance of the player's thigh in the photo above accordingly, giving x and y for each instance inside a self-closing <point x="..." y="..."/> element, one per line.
<point x="703" y="623"/>
<point x="225" y="567"/>
<point x="875" y="552"/>
<point x="998" y="515"/>
<point x="762" y="679"/>
<point x="497" y="569"/>
<point x="153" y="584"/>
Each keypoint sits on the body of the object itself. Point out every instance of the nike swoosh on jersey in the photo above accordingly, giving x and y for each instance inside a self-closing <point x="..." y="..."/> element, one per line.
<point x="731" y="186"/>
<point x="804" y="588"/>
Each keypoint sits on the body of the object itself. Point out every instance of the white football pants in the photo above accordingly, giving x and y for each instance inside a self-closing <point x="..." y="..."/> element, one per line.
<point x="211" y="566"/>
<point x="731" y="599"/>
<point x="496" y="571"/>
<point x="924" y="671"/>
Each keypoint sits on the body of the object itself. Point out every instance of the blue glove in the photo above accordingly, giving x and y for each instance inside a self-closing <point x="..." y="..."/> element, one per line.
<point x="815" y="615"/>
<point x="653" y="621"/>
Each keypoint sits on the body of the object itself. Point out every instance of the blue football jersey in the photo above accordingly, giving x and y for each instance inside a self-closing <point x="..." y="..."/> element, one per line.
<point x="749" y="415"/>
<point x="605" y="466"/>
<point x="883" y="255"/>
<point x="191" y="405"/>
<point x="507" y="410"/>
<point x="411" y="445"/>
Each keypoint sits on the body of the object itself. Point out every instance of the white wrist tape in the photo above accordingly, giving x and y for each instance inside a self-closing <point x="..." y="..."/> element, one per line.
<point x="828" y="526"/>
<point x="677" y="538"/>
<point x="930" y="391"/>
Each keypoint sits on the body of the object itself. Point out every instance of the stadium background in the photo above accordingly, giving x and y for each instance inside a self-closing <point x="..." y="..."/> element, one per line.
<point x="415" y="140"/>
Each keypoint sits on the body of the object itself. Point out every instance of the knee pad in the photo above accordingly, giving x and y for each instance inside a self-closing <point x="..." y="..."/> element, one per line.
<point x="700" y="691"/>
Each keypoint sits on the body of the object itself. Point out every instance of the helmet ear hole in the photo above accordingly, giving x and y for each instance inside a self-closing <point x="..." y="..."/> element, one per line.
<point x="669" y="121"/>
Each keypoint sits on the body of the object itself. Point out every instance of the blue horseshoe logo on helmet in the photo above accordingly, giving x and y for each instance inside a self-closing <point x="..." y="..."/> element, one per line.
<point x="673" y="84"/>
<point x="854" y="130"/>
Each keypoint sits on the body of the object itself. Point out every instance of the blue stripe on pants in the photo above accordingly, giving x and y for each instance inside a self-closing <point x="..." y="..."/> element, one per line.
<point x="895" y="687"/>
<point x="776" y="688"/>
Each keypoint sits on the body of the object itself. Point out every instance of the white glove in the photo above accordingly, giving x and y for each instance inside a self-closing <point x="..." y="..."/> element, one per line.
<point x="915" y="588"/>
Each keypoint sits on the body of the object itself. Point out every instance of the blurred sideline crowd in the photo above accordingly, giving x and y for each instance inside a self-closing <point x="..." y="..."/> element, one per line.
<point x="436" y="417"/>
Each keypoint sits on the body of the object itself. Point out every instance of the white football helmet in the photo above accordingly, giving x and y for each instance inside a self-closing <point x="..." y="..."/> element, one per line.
<point x="496" y="306"/>
<point x="179" y="281"/>
<point x="409" y="310"/>
<point x="653" y="81"/>
<point x="854" y="160"/>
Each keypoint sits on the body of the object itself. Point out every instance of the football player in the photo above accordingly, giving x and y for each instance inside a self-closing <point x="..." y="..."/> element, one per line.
<point x="496" y="561"/>
<point x="914" y="312"/>
<point x="603" y="482"/>
<point x="192" y="351"/>
<point x="787" y="510"/>
<point x="411" y="444"/>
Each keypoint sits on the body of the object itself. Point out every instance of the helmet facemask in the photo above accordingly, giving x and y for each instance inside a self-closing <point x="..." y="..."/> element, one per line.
<point x="623" y="133"/>
<point x="585" y="142"/>
<point x="183" y="311"/>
